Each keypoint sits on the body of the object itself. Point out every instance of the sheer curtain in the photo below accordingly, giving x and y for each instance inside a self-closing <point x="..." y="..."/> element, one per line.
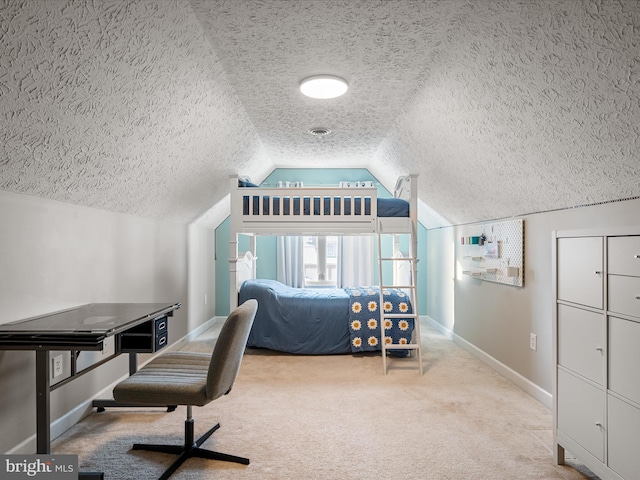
<point x="289" y="261"/>
<point x="355" y="261"/>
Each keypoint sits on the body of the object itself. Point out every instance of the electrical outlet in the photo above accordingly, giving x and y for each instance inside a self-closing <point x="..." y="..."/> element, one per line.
<point x="533" y="341"/>
<point x="57" y="366"/>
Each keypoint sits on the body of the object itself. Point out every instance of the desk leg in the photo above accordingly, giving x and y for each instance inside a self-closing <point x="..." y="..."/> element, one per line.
<point x="133" y="363"/>
<point x="43" y="415"/>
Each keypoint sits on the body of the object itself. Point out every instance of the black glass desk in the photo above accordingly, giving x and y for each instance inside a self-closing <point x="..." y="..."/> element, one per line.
<point x="136" y="328"/>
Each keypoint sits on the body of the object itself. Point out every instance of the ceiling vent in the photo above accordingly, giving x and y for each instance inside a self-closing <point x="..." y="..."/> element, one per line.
<point x="320" y="132"/>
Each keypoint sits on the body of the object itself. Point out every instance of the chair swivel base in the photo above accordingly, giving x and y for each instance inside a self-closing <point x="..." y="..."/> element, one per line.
<point x="189" y="450"/>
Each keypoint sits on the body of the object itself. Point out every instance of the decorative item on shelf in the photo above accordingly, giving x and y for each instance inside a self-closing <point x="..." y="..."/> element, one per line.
<point x="287" y="184"/>
<point x="492" y="249"/>
<point x="513" y="272"/>
<point x="470" y="240"/>
<point x="483" y="238"/>
<point x="358" y="184"/>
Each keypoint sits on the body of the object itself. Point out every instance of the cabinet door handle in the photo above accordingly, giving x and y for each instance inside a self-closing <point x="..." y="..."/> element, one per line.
<point x="637" y="255"/>
<point x="597" y="272"/>
<point x="600" y="349"/>
<point x="599" y="424"/>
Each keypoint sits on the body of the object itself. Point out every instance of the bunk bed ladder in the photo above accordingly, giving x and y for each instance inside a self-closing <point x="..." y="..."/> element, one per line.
<point x="414" y="347"/>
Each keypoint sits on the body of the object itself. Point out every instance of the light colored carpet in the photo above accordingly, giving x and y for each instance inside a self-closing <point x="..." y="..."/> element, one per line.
<point x="339" y="418"/>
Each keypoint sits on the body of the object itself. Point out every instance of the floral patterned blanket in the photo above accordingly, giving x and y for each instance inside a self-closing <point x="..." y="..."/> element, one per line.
<point x="364" y="318"/>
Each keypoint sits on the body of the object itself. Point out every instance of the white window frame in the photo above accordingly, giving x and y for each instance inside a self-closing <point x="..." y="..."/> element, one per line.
<point x="323" y="268"/>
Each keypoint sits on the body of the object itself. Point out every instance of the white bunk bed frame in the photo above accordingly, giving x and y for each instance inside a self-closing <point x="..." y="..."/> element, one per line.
<point x="313" y="223"/>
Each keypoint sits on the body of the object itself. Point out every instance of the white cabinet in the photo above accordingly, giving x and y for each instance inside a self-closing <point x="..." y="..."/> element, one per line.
<point x="580" y="270"/>
<point x="581" y="412"/>
<point x="624" y="294"/>
<point x="597" y="349"/>
<point x="624" y="358"/>
<point x="624" y="255"/>
<point x="581" y="342"/>
<point x="624" y="438"/>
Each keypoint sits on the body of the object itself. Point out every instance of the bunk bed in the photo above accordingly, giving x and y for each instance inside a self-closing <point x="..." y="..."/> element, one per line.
<point x="320" y="320"/>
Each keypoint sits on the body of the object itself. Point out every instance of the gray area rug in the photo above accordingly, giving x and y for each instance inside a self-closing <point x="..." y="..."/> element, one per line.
<point x="339" y="418"/>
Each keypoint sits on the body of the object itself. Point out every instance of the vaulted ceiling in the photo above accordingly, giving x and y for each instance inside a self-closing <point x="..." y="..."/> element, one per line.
<point x="146" y="107"/>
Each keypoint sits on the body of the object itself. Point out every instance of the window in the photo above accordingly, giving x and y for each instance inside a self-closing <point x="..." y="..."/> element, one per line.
<point x="320" y="258"/>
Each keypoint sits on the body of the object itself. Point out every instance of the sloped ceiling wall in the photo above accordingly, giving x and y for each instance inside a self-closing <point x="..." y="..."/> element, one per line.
<point x="503" y="107"/>
<point x="526" y="107"/>
<point x="119" y="105"/>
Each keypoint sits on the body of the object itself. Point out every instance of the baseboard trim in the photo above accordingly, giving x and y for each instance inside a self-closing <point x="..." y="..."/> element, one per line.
<point x="514" y="377"/>
<point x="177" y="345"/>
<point x="73" y="416"/>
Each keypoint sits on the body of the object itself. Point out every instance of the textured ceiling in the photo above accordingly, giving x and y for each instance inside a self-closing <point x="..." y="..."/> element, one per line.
<point x="118" y="105"/>
<point x="527" y="107"/>
<point x="381" y="48"/>
<point x="503" y="107"/>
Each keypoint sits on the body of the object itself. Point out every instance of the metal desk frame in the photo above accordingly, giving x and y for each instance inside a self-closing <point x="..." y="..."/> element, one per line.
<point x="56" y="332"/>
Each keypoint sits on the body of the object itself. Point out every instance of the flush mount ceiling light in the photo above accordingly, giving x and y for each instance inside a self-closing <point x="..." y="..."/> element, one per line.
<point x="323" y="86"/>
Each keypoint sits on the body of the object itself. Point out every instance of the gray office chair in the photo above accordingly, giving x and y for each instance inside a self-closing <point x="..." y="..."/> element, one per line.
<point x="190" y="378"/>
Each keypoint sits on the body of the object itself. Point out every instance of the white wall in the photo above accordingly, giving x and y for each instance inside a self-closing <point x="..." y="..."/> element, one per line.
<point x="201" y="284"/>
<point x="497" y="319"/>
<point x="56" y="255"/>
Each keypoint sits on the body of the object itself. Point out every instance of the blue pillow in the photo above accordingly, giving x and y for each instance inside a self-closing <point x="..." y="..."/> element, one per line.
<point x="245" y="183"/>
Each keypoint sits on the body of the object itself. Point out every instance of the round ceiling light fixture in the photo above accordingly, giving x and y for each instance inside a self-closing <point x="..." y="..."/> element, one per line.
<point x="323" y="86"/>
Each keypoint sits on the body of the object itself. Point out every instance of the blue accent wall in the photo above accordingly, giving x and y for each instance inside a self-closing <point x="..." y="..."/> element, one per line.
<point x="266" y="265"/>
<point x="266" y="245"/>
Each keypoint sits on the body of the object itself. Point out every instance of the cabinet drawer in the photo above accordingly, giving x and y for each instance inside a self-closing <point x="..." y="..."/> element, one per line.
<point x="624" y="255"/>
<point x="624" y="295"/>
<point x="581" y="342"/>
<point x="624" y="358"/>
<point x="161" y="325"/>
<point x="161" y="340"/>
<point x="624" y="438"/>
<point x="580" y="266"/>
<point x="581" y="412"/>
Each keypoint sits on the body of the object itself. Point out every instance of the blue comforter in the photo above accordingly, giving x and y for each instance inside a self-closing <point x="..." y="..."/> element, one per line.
<point x="364" y="318"/>
<point x="316" y="321"/>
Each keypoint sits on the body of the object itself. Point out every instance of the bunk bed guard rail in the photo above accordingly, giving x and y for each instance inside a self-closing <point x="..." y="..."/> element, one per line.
<point x="272" y="210"/>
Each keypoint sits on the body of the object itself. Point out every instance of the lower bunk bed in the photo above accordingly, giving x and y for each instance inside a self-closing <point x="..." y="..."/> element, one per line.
<point x="324" y="321"/>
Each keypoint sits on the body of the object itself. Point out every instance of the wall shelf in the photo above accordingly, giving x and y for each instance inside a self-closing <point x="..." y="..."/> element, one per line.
<point x="494" y="252"/>
<point x="472" y="274"/>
